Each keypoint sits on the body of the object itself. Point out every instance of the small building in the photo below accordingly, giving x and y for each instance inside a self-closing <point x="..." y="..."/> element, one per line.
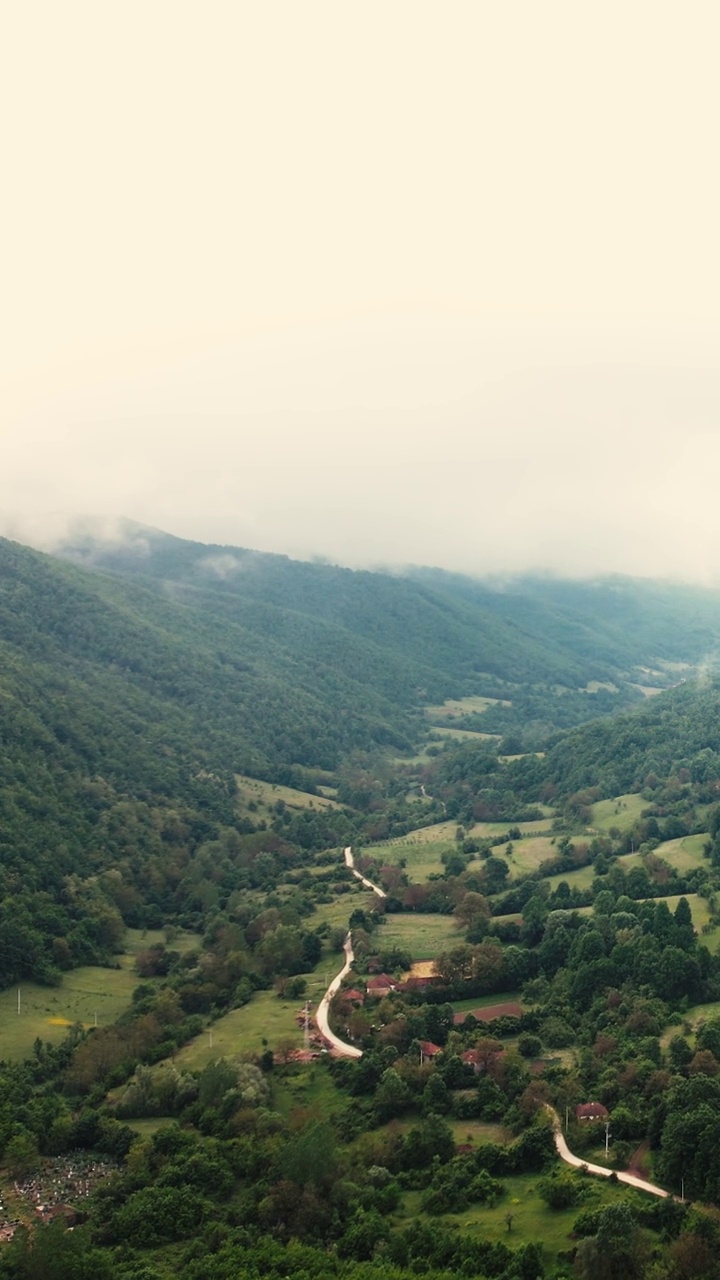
<point x="428" y="1051"/>
<point x="591" y="1111"/>
<point x="353" y="995"/>
<point x="381" y="985"/>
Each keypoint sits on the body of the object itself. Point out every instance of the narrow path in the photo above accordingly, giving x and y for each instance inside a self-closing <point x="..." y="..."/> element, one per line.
<point x="323" y="1009"/>
<point x="566" y="1154"/>
<point x="350" y="862"/>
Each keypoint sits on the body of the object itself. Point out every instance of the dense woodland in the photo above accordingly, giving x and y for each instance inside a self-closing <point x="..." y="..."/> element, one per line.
<point x="143" y="685"/>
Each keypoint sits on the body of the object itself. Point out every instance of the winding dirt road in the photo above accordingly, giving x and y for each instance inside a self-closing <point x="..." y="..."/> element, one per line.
<point x="321" y="1017"/>
<point x="566" y="1154"/>
<point x="350" y="862"/>
<point x="323" y="1009"/>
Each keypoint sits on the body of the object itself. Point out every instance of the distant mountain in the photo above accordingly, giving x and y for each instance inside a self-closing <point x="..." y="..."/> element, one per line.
<point x="427" y="635"/>
<point x="138" y="677"/>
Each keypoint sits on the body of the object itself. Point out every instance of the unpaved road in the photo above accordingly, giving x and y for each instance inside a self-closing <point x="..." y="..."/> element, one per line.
<point x="350" y="862"/>
<point x="629" y="1178"/>
<point x="321" y="1017"/>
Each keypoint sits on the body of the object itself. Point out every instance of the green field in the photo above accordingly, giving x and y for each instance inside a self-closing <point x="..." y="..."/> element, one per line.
<point x="84" y="995"/>
<point x="622" y="812"/>
<point x="265" y="1020"/>
<point x="580" y="879"/>
<point x="684" y="854"/>
<point x="527" y="855"/>
<point x="47" y="1012"/>
<point x="456" y="708"/>
<point x="423" y="936"/>
<point x="531" y="1218"/>
<point x="691" y="1018"/>
<point x="487" y="830"/>
<point x="466" y="735"/>
<point x="265" y="795"/>
<point x="422" y="859"/>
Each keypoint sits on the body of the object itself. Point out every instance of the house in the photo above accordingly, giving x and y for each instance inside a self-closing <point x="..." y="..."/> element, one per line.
<point x="591" y="1111"/>
<point x="478" y="1059"/>
<point x="353" y="995"/>
<point x="428" y="1051"/>
<point x="381" y="985"/>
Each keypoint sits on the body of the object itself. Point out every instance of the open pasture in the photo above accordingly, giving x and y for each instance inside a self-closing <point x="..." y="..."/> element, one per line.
<point x="47" y="1012"/>
<point x="466" y="735"/>
<point x="422" y="936"/>
<point x="684" y="854"/>
<point x="265" y="795"/>
<point x="580" y="879"/>
<point x="456" y="708"/>
<point x="622" y="812"/>
<point x="532" y="1221"/>
<point x="266" y="1020"/>
<point x="488" y="830"/>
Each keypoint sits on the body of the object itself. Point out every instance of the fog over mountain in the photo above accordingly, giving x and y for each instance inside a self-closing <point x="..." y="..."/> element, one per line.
<point x="467" y="317"/>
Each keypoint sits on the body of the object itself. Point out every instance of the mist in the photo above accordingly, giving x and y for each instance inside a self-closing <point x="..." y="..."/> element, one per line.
<point x="387" y="287"/>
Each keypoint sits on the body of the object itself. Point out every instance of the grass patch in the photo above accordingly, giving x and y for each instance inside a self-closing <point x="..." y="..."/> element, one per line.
<point x="487" y="830"/>
<point x="308" y="1088"/>
<point x="684" y="854"/>
<point x="622" y="812"/>
<point x="423" y="936"/>
<point x="456" y="708"/>
<point x="532" y="1221"/>
<point x="466" y="735"/>
<point x="47" y="1012"/>
<point x="580" y="879"/>
<point x="527" y="855"/>
<point x="265" y="796"/>
<point x="475" y="1132"/>
<point x="149" y="1125"/>
<point x="265" y="1020"/>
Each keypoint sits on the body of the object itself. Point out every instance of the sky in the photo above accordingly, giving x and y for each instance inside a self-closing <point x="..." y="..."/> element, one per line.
<point x="387" y="283"/>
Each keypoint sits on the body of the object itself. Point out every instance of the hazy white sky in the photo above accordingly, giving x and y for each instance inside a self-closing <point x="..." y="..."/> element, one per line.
<point x="386" y="282"/>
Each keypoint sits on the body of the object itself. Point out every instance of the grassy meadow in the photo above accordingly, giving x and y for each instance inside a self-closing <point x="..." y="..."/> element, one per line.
<point x="90" y="995"/>
<point x="423" y="936"/>
<point x="532" y="1221"/>
<point x="622" y="812"/>
<point x="265" y="795"/>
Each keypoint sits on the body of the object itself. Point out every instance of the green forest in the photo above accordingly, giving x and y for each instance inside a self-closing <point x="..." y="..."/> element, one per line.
<point x="527" y="771"/>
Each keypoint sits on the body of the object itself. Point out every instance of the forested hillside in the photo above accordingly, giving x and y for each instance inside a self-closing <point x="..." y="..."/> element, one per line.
<point x="190" y="737"/>
<point x="547" y="645"/>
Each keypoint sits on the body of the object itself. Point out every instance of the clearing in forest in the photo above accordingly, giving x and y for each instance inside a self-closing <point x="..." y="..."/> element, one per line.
<point x="265" y="796"/>
<point x="622" y="812"/>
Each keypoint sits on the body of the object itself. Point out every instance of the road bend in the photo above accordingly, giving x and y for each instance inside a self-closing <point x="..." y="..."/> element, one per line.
<point x="566" y="1154"/>
<point x="350" y="862"/>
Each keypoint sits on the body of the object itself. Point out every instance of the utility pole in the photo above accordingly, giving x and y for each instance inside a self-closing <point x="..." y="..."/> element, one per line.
<point x="306" y="1030"/>
<point x="18" y="1001"/>
<point x="607" y="1136"/>
<point x="567" y="1119"/>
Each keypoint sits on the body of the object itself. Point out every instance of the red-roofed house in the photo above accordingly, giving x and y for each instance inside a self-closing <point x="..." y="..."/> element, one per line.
<point x="591" y="1111"/>
<point x="428" y="1051"/>
<point x="354" y="996"/>
<point x="380" y="985"/>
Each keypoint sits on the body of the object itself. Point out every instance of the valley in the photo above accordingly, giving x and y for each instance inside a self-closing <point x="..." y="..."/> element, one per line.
<point x="186" y="757"/>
